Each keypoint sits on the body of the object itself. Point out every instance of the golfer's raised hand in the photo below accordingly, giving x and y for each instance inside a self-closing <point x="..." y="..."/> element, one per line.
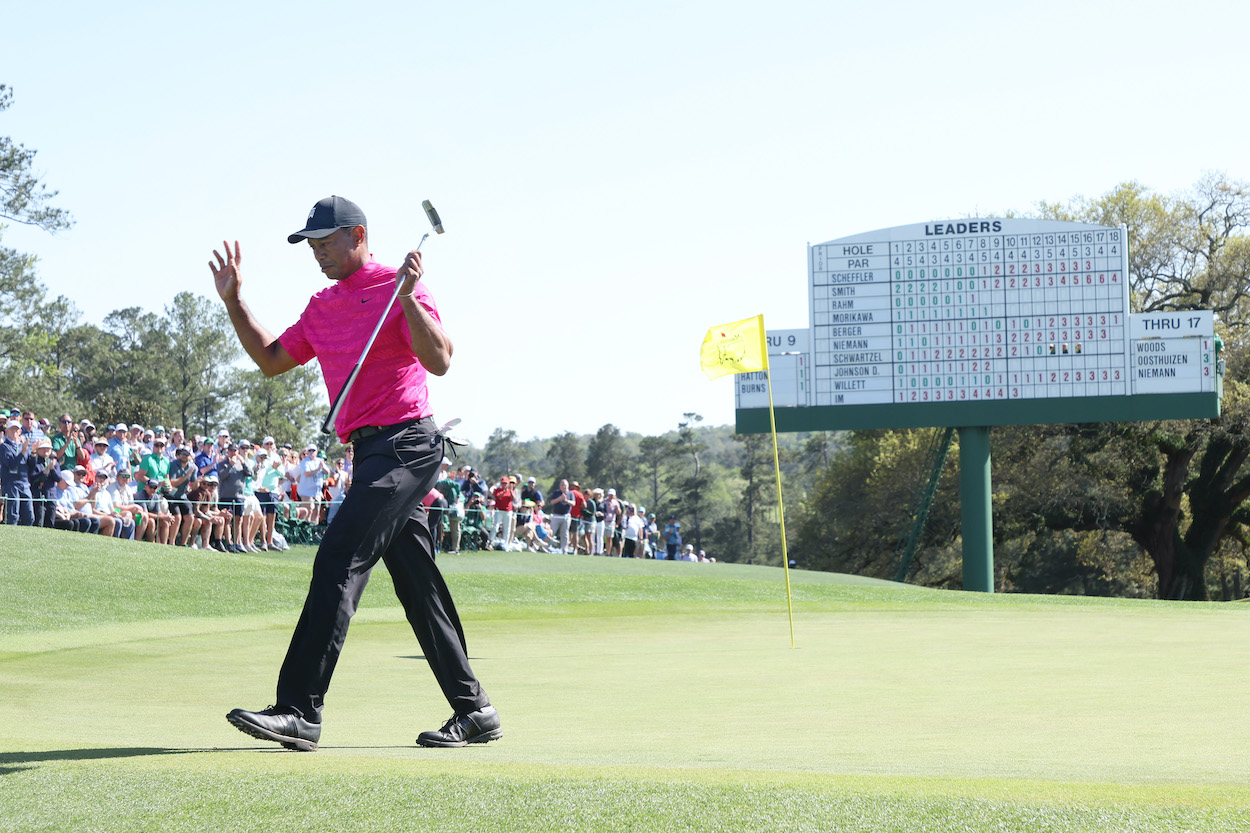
<point x="409" y="273"/>
<point x="226" y="271"/>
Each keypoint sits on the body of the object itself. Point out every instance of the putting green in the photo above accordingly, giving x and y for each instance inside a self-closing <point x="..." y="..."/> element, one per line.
<point x="670" y="700"/>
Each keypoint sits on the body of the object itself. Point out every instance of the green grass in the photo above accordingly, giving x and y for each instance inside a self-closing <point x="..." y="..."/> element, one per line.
<point x="635" y="696"/>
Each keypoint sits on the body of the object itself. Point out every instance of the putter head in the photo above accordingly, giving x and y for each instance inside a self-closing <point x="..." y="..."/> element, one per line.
<point x="432" y="214"/>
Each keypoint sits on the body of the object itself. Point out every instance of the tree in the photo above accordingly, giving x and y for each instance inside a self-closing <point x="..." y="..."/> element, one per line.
<point x="25" y="334"/>
<point x="1185" y="499"/>
<point x="567" y="458"/>
<point x="655" y="455"/>
<point x="696" y="482"/>
<point x="23" y="198"/>
<point x="502" y="454"/>
<point x="757" y="472"/>
<point x="201" y="348"/>
<point x="606" y="461"/>
<point x="283" y="406"/>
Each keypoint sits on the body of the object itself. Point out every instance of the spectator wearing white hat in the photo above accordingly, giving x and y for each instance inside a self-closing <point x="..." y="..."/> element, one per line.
<point x="176" y="440"/>
<point x="149" y="500"/>
<point x="72" y="506"/>
<point x="449" y="487"/>
<point x="101" y="461"/>
<point x="122" y="496"/>
<point x="15" y="475"/>
<point x="212" y="519"/>
<point x="102" y="503"/>
<point x="44" y="474"/>
<point x="117" y="448"/>
<point x="135" y="449"/>
<point x="312" y="475"/>
<point x="78" y="496"/>
<point x="233" y="471"/>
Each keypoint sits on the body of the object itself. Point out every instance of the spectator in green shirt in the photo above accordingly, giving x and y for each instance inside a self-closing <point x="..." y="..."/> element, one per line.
<point x="449" y="487"/>
<point x="155" y="465"/>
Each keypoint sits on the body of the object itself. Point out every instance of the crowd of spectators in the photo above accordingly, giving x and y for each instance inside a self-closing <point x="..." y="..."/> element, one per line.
<point x="470" y="513"/>
<point x="213" y="492"/>
<point x="150" y="484"/>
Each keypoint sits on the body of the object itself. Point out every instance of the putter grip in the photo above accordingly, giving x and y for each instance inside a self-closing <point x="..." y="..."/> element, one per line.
<point x="432" y="214"/>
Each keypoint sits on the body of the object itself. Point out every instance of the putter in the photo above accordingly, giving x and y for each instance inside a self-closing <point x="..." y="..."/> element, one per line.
<point x="328" y="425"/>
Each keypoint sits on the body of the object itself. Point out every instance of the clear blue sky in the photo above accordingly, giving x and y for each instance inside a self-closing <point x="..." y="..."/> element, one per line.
<point x="614" y="178"/>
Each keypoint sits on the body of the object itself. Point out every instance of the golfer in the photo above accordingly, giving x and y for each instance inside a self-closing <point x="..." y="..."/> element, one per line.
<point x="387" y="417"/>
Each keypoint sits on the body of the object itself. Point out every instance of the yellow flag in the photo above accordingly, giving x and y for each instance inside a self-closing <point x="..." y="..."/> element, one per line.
<point x="737" y="347"/>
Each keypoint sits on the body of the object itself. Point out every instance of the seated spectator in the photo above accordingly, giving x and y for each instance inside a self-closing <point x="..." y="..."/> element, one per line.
<point x="102" y="498"/>
<point x="149" y="501"/>
<point x="535" y="533"/>
<point x="101" y="461"/>
<point x="213" y="519"/>
<point x="73" y="508"/>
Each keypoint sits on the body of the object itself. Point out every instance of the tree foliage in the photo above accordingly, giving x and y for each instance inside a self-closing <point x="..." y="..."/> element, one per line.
<point x="23" y="198"/>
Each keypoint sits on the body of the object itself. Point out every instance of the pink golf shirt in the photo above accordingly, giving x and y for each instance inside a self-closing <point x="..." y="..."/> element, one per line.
<point x="334" y="328"/>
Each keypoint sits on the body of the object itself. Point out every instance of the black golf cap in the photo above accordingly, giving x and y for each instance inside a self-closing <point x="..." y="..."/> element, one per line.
<point x="328" y="216"/>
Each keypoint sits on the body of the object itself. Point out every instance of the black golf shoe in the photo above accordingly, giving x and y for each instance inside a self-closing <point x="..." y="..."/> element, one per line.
<point x="278" y="724"/>
<point x="480" y="726"/>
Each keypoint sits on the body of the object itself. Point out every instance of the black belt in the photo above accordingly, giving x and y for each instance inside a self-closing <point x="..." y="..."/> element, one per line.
<point x="367" y="431"/>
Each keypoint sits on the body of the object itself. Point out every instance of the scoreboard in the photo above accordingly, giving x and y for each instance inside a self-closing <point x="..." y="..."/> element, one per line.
<point x="982" y="309"/>
<point x="983" y="322"/>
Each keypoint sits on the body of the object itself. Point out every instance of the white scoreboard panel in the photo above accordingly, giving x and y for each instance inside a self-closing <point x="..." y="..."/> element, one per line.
<point x="1172" y="352"/>
<point x="789" y="360"/>
<point x="970" y="310"/>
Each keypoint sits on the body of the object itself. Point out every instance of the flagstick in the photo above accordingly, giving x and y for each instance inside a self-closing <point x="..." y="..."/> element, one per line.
<point x="781" y="509"/>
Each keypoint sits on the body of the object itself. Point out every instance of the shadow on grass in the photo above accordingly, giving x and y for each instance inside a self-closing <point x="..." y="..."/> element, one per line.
<point x="11" y="762"/>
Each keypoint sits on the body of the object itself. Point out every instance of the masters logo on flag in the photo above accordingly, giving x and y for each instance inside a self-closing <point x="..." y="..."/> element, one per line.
<point x="737" y="347"/>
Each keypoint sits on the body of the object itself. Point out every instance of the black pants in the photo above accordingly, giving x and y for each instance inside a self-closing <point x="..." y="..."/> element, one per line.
<point x="45" y="510"/>
<point x="381" y="518"/>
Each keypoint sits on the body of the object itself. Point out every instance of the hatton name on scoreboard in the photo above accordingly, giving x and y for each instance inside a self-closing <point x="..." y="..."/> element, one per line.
<point x="984" y="322"/>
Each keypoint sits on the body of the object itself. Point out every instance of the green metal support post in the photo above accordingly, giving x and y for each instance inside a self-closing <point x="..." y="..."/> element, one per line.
<point x="977" y="516"/>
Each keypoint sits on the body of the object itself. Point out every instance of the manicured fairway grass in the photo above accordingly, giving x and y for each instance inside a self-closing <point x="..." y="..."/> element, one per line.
<point x="634" y="695"/>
